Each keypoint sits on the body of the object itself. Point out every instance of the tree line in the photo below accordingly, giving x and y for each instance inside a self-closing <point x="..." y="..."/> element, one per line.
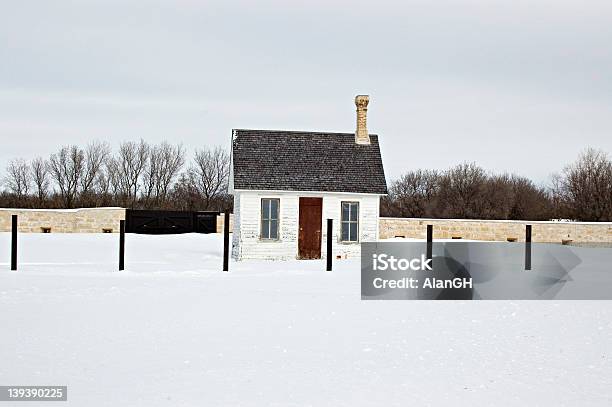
<point x="143" y="176"/>
<point x="582" y="191"/>
<point x="138" y="175"/>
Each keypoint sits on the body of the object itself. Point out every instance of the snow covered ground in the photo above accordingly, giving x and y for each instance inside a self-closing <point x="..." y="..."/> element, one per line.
<point x="173" y="330"/>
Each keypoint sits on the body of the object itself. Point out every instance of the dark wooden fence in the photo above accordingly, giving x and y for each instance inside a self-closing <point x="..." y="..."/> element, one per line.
<point x="170" y="222"/>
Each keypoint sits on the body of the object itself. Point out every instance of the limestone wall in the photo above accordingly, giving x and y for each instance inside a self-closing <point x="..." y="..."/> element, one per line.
<point x="97" y="220"/>
<point x="548" y="232"/>
<point x="221" y="223"/>
<point x="86" y="220"/>
<point x="93" y="220"/>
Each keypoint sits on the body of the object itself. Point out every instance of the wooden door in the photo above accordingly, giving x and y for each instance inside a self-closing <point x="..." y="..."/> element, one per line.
<point x="309" y="237"/>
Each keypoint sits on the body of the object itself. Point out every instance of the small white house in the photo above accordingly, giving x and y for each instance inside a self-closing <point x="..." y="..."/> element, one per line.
<point x="286" y="184"/>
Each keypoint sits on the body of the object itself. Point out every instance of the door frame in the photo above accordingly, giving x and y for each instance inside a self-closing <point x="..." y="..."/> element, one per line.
<point x="319" y="247"/>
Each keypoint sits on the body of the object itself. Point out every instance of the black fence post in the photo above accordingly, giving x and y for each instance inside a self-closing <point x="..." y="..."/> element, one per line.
<point x="330" y="254"/>
<point x="226" y="241"/>
<point x="429" y="241"/>
<point x="14" y="242"/>
<point x="121" y="245"/>
<point x="528" y="247"/>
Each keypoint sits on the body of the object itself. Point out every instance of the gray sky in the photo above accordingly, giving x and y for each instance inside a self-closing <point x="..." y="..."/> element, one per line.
<point x="517" y="85"/>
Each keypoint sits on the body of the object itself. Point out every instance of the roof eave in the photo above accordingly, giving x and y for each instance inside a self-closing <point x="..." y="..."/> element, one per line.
<point x="287" y="191"/>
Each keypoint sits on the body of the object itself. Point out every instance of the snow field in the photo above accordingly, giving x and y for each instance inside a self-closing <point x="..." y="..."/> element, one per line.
<point x="173" y="330"/>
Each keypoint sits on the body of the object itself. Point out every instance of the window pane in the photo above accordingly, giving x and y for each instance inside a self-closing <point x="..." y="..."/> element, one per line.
<point x="353" y="232"/>
<point x="265" y="208"/>
<point x="273" y="229"/>
<point x="354" y="211"/>
<point x="345" y="212"/>
<point x="345" y="231"/>
<point x="274" y="209"/>
<point x="265" y="229"/>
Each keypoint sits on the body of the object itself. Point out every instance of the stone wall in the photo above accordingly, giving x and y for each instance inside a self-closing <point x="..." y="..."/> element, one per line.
<point x="221" y="223"/>
<point x="86" y="220"/>
<point x="492" y="230"/>
<point x="98" y="220"/>
<point x="93" y="220"/>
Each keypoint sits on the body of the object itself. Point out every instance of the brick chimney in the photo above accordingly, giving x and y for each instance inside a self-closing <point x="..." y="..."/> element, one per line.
<point x="361" y="134"/>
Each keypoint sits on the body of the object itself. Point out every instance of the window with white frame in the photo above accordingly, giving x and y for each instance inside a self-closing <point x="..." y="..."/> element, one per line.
<point x="269" y="218"/>
<point x="350" y="221"/>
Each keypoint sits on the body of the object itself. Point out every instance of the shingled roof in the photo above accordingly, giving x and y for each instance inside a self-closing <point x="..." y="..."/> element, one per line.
<point x="306" y="161"/>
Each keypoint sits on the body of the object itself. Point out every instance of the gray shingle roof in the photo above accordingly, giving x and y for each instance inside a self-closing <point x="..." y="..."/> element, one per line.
<point x="306" y="161"/>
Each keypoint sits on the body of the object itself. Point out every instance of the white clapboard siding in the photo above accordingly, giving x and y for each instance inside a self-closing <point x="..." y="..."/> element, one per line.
<point x="247" y="220"/>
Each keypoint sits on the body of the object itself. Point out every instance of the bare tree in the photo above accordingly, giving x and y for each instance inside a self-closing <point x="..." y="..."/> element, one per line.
<point x="40" y="176"/>
<point x="95" y="156"/>
<point x="210" y="173"/>
<point x="140" y="175"/>
<point x="496" y="197"/>
<point x="151" y="176"/>
<point x="18" y="178"/>
<point x="415" y="193"/>
<point x="132" y="161"/>
<point x="165" y="163"/>
<point x="461" y="191"/>
<point x="66" y="168"/>
<point x="184" y="195"/>
<point x="172" y="161"/>
<point x="466" y="191"/>
<point x="585" y="187"/>
<point x="530" y="201"/>
<point x="559" y="203"/>
<point x="112" y="182"/>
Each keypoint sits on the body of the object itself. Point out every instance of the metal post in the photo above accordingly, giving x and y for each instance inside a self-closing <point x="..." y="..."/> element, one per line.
<point x="226" y="241"/>
<point x="121" y="245"/>
<point x="330" y="254"/>
<point x="528" y="247"/>
<point x="14" y="242"/>
<point x="429" y="241"/>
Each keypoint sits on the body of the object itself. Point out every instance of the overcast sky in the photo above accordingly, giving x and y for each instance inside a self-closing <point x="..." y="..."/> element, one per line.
<point x="515" y="85"/>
